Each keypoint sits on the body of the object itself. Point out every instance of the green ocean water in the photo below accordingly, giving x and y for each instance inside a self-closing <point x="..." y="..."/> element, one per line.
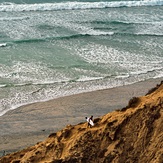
<point x="50" y="49"/>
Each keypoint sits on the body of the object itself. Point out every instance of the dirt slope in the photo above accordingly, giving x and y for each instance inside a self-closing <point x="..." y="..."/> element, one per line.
<point x="133" y="134"/>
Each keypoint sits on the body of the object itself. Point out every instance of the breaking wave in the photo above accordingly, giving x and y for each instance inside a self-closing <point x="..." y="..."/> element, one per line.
<point x="75" y="5"/>
<point x="3" y="44"/>
<point x="63" y="37"/>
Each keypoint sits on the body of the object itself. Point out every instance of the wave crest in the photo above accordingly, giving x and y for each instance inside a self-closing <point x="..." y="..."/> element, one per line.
<point x="75" y="5"/>
<point x="3" y="44"/>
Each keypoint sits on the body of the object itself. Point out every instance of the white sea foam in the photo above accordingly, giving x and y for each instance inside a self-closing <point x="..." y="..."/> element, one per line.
<point x="99" y="33"/>
<point x="85" y="78"/>
<point x="3" y="44"/>
<point x="122" y="76"/>
<point x="20" y="74"/>
<point x="159" y="75"/>
<point x="2" y="85"/>
<point x="75" y="5"/>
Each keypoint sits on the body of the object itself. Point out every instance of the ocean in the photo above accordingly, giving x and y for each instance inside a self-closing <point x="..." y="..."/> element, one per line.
<point x="55" y="48"/>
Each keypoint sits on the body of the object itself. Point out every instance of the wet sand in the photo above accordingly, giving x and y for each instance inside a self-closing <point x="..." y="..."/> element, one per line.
<point x="32" y="123"/>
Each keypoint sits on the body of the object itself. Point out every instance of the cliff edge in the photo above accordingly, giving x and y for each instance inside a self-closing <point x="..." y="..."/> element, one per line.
<point x="132" y="134"/>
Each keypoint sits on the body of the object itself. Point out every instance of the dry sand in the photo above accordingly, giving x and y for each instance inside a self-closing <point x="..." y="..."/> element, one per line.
<point x="32" y="123"/>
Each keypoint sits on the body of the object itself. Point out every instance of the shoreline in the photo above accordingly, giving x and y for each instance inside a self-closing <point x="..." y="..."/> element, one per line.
<point x="29" y="124"/>
<point x="58" y="97"/>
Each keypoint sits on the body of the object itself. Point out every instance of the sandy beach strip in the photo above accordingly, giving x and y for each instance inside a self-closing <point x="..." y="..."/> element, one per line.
<point x="32" y="123"/>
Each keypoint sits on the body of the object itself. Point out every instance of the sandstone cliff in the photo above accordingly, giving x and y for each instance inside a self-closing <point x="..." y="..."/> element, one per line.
<point x="132" y="134"/>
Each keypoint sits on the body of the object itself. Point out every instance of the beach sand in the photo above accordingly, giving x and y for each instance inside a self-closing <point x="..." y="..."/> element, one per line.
<point x="27" y="125"/>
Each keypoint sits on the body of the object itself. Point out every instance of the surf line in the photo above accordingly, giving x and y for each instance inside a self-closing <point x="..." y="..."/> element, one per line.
<point x="76" y="5"/>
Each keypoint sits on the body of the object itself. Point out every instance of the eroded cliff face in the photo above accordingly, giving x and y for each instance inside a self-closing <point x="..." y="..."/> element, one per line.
<point x="132" y="134"/>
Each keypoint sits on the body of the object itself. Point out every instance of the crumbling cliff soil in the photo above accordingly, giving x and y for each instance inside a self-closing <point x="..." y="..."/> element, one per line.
<point x="133" y="134"/>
